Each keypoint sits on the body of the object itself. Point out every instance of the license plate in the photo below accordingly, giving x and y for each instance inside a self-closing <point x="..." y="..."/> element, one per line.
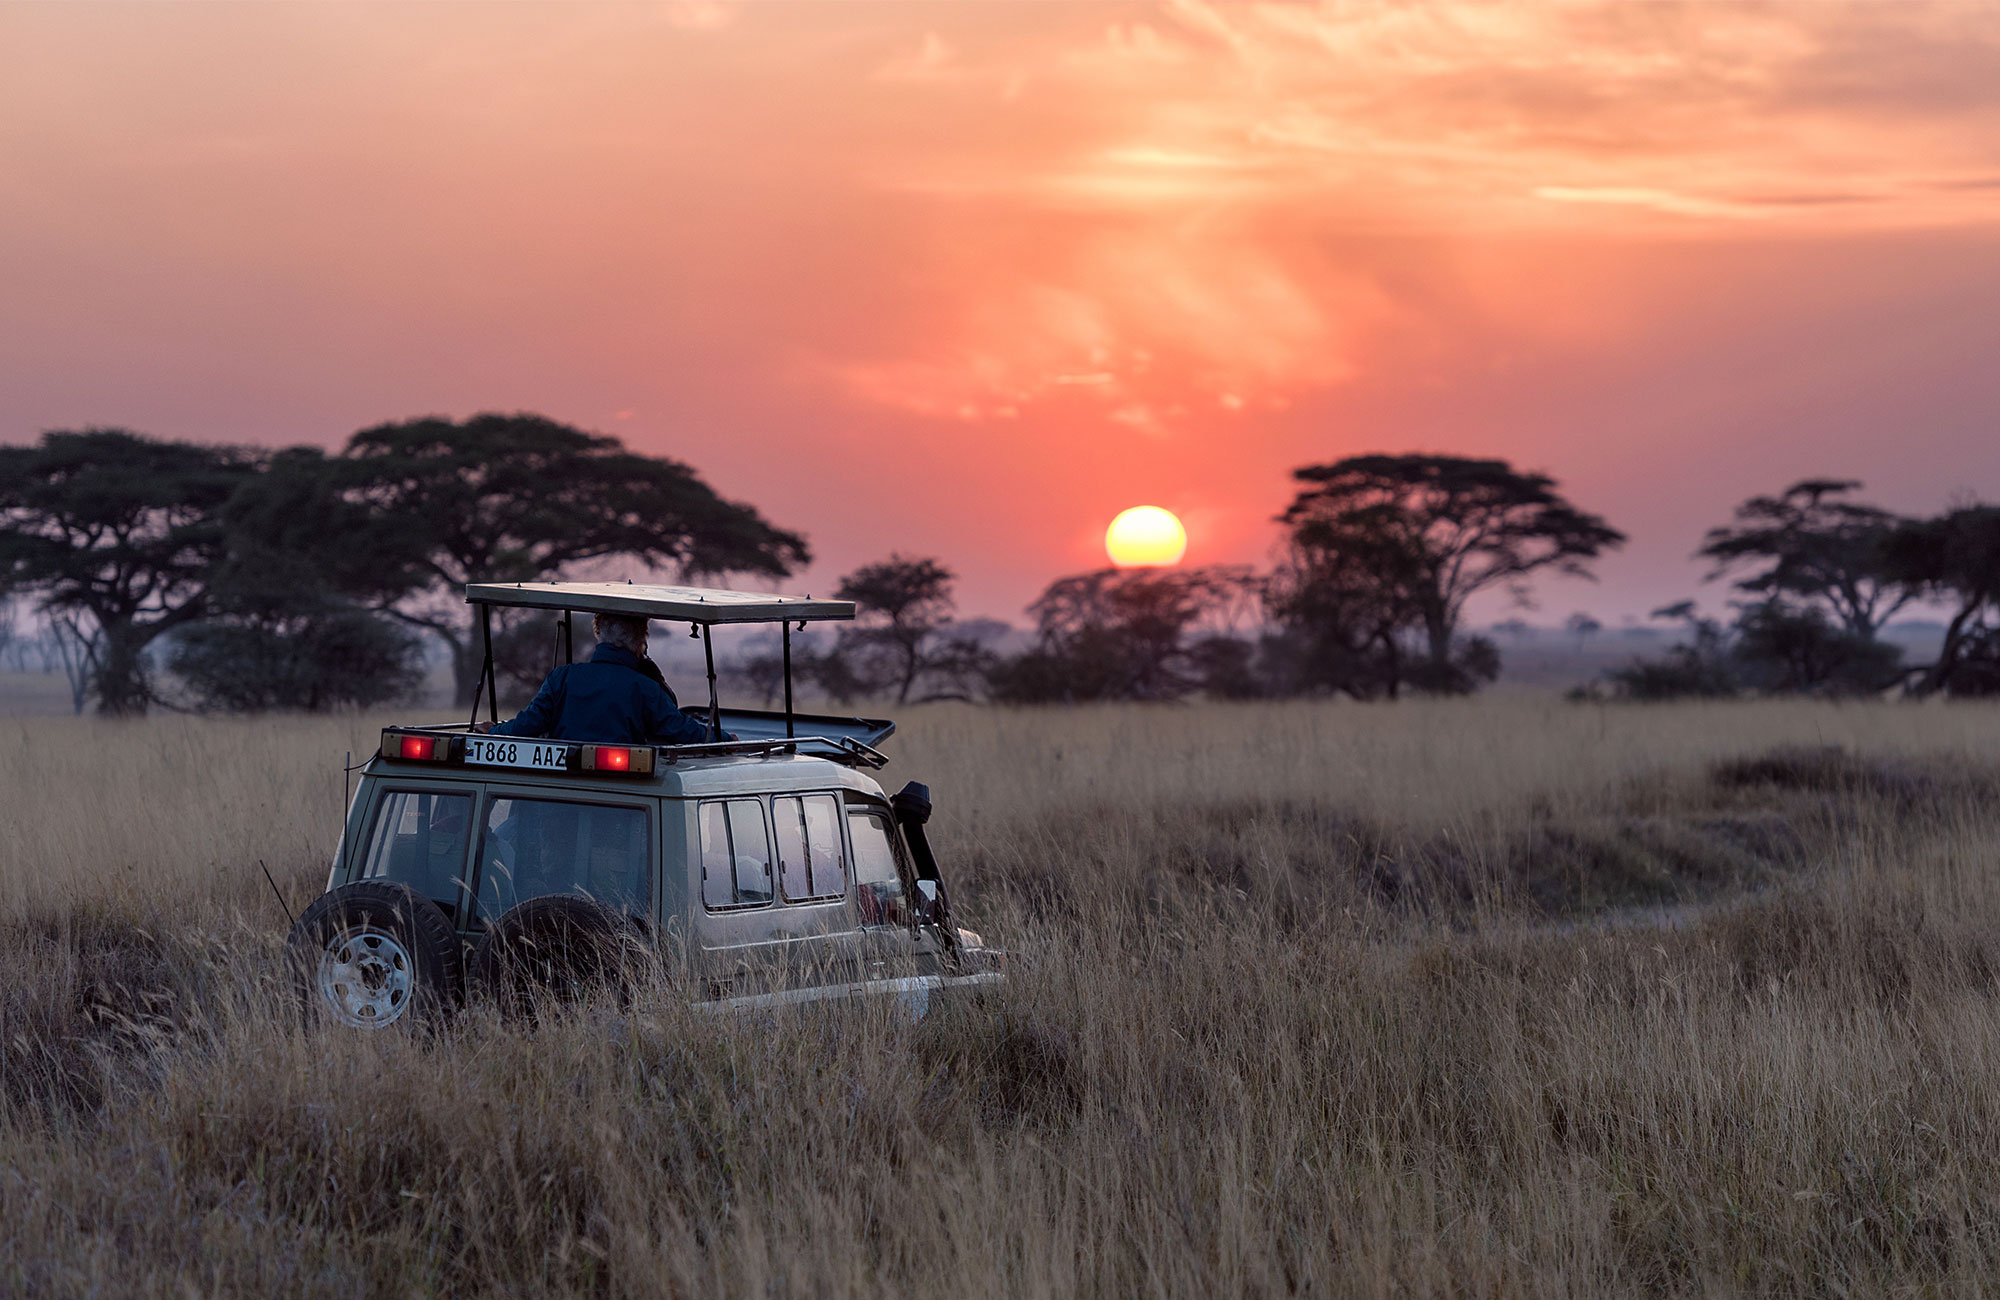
<point x="516" y="753"/>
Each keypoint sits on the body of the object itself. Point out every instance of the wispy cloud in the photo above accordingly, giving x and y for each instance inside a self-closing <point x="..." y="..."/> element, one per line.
<point x="1212" y="151"/>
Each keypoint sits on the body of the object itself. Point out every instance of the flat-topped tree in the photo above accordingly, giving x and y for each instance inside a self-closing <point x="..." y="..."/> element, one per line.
<point x="514" y="498"/>
<point x="906" y="607"/>
<point x="1432" y="531"/>
<point x="293" y="598"/>
<point x="114" y="534"/>
<point x="1118" y="634"/>
<point x="1814" y="544"/>
<point x="1955" y="558"/>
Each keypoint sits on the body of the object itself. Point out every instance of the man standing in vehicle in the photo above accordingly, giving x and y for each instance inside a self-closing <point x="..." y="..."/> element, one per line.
<point x="609" y="697"/>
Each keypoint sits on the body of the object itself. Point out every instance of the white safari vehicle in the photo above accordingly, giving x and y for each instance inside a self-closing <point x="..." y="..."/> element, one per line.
<point x="762" y="870"/>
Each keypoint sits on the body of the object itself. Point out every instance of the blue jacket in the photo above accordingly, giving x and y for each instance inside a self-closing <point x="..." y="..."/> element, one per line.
<point x="608" y="698"/>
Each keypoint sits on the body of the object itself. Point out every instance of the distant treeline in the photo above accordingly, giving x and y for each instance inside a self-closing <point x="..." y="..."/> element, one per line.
<point x="1820" y="574"/>
<point x="308" y="580"/>
<point x="299" y="579"/>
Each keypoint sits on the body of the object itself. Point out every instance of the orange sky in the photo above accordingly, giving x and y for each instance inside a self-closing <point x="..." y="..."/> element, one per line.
<point x="968" y="279"/>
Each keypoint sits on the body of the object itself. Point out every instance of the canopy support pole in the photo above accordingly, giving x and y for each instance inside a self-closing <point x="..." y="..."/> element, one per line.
<point x="472" y="719"/>
<point x="714" y="702"/>
<point x="787" y="629"/>
<point x="569" y="636"/>
<point x="492" y="687"/>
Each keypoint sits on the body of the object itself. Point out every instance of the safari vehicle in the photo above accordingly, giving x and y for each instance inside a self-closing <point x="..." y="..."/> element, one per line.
<point x="769" y="868"/>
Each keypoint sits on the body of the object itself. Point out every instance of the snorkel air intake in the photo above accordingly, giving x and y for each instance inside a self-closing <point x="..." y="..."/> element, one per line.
<point x="912" y="806"/>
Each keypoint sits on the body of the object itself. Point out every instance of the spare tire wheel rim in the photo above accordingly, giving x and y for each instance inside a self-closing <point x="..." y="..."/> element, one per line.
<point x="366" y="975"/>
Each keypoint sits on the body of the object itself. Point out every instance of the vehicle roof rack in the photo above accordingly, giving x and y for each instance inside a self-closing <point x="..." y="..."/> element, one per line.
<point x="703" y="605"/>
<point x="841" y="749"/>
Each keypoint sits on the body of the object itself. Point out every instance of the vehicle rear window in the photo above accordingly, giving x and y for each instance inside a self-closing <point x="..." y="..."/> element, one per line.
<point x="419" y="840"/>
<point x="809" y="856"/>
<point x="735" y="853"/>
<point x="535" y="847"/>
<point x="878" y="886"/>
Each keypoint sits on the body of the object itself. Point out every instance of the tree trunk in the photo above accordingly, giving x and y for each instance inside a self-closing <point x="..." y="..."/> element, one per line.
<point x="1947" y="661"/>
<point x="468" y="657"/>
<point x="1437" y="627"/>
<point x="119" y="680"/>
<point x="76" y="653"/>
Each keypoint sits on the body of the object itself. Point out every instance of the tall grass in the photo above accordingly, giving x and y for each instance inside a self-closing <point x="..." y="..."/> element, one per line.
<point x="1496" y="997"/>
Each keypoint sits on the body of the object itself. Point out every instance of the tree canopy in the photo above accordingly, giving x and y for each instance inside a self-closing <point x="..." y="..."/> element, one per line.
<point x="1812" y="544"/>
<point x="273" y="570"/>
<point x="1117" y="634"/>
<point x="115" y="535"/>
<point x="509" y="498"/>
<point x="900" y="635"/>
<point x="1382" y="541"/>
<point x="1956" y="558"/>
<point x="289" y="624"/>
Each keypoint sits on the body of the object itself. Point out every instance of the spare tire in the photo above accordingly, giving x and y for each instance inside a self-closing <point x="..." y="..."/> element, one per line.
<point x="375" y="953"/>
<point x="560" y="945"/>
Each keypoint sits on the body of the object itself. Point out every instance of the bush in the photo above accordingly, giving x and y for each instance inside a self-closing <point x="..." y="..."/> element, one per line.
<point x="1038" y="677"/>
<point x="1789" y="650"/>
<point x="1977" y="672"/>
<point x="1475" y="662"/>
<point x="342" y="658"/>
<point x="1705" y="668"/>
<point x="1226" y="668"/>
<point x="1773" y="647"/>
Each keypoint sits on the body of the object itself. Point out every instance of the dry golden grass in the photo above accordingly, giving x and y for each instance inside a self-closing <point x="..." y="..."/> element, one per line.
<point x="1486" y="997"/>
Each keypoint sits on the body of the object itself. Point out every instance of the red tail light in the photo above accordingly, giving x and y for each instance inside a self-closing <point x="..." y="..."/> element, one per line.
<point x="635" y="759"/>
<point x="421" y="749"/>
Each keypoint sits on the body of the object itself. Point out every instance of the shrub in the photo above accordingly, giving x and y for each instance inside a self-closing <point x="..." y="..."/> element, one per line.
<point x="342" y="658"/>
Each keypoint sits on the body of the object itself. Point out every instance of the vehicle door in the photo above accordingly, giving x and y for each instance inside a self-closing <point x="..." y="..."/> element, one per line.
<point x="772" y="877"/>
<point x="884" y="885"/>
<point x="534" y="842"/>
<point x="417" y="833"/>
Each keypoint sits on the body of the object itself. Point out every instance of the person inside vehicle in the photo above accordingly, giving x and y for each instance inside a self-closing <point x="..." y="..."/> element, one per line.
<point x="609" y="697"/>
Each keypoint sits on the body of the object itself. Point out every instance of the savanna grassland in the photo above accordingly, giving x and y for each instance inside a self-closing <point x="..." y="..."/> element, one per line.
<point x="1500" y="997"/>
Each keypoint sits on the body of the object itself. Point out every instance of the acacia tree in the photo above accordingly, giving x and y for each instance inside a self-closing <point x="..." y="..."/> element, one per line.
<point x="1956" y="557"/>
<point x="1117" y="634"/>
<point x="515" y="498"/>
<point x="1433" y="531"/>
<point x="1341" y="612"/>
<point x="905" y="612"/>
<point x="1813" y="545"/>
<point x="114" y="535"/>
<point x="289" y="623"/>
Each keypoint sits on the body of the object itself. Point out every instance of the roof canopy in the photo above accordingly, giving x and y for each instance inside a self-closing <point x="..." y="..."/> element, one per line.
<point x="677" y="604"/>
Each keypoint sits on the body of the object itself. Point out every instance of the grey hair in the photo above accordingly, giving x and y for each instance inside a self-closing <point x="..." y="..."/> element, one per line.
<point x="626" y="631"/>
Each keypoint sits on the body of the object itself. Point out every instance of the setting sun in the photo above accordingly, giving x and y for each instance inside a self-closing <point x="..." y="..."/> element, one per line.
<point x="1145" y="535"/>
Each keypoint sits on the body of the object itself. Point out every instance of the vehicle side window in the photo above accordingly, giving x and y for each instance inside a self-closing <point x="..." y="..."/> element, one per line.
<point x="419" y="840"/>
<point x="809" y="858"/>
<point x="735" y="853"/>
<point x="878" y="888"/>
<point x="535" y="847"/>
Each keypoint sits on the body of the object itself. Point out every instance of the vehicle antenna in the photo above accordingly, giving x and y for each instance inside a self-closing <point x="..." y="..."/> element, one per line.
<point x="293" y="920"/>
<point x="346" y="802"/>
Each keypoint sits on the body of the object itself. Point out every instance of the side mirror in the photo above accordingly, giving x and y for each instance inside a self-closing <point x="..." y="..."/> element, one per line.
<point x="928" y="899"/>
